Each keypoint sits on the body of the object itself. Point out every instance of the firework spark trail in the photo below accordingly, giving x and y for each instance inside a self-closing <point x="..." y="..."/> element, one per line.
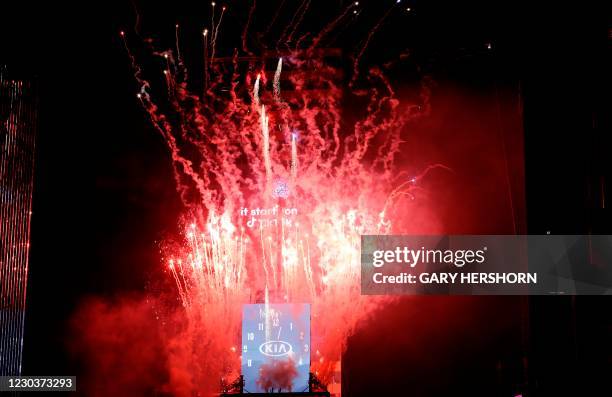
<point x="159" y="122"/>
<point x="218" y="25"/>
<point x="205" y="35"/>
<point x="331" y="26"/>
<point x="383" y="116"/>
<point x="367" y="43"/>
<point x="298" y="22"/>
<point x="294" y="157"/>
<point x="256" y="91"/>
<point x="246" y="29"/>
<point x="277" y="76"/>
<point x="335" y="33"/>
<point x="212" y="18"/>
<point x="144" y="85"/>
<point x="136" y="18"/>
<point x="298" y="12"/>
<point x="274" y="18"/>
<point x="165" y="128"/>
<point x="225" y="156"/>
<point x="215" y="31"/>
<point x="176" y="44"/>
<point x="179" y="284"/>
<point x="265" y="130"/>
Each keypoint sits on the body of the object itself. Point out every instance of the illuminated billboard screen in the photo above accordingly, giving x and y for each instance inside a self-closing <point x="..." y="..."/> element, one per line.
<point x="276" y="347"/>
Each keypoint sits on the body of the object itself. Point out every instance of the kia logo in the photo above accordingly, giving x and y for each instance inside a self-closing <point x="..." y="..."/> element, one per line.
<point x="275" y="348"/>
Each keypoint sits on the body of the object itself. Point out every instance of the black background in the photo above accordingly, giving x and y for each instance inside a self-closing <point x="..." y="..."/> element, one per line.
<point x="103" y="191"/>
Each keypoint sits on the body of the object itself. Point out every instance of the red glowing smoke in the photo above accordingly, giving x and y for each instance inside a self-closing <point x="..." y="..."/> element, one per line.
<point x="120" y="346"/>
<point x="277" y="375"/>
<point x="122" y="340"/>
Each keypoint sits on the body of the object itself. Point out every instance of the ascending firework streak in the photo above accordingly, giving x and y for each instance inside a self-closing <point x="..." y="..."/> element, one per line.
<point x="294" y="158"/>
<point x="277" y="75"/>
<point x="214" y="30"/>
<point x="265" y="131"/>
<point x="244" y="244"/>
<point x="256" y="91"/>
<point x="205" y="35"/>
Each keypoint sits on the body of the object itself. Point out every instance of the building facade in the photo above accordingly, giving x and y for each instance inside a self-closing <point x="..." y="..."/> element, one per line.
<point x="17" y="137"/>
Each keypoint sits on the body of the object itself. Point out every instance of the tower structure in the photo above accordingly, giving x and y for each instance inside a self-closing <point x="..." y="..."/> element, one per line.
<point x="17" y="137"/>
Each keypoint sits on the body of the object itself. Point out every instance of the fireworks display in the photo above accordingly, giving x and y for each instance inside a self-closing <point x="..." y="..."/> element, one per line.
<point x="194" y="197"/>
<point x="278" y="183"/>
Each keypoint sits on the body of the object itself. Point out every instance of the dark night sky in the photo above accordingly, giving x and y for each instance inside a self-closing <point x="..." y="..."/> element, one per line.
<point x="104" y="193"/>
